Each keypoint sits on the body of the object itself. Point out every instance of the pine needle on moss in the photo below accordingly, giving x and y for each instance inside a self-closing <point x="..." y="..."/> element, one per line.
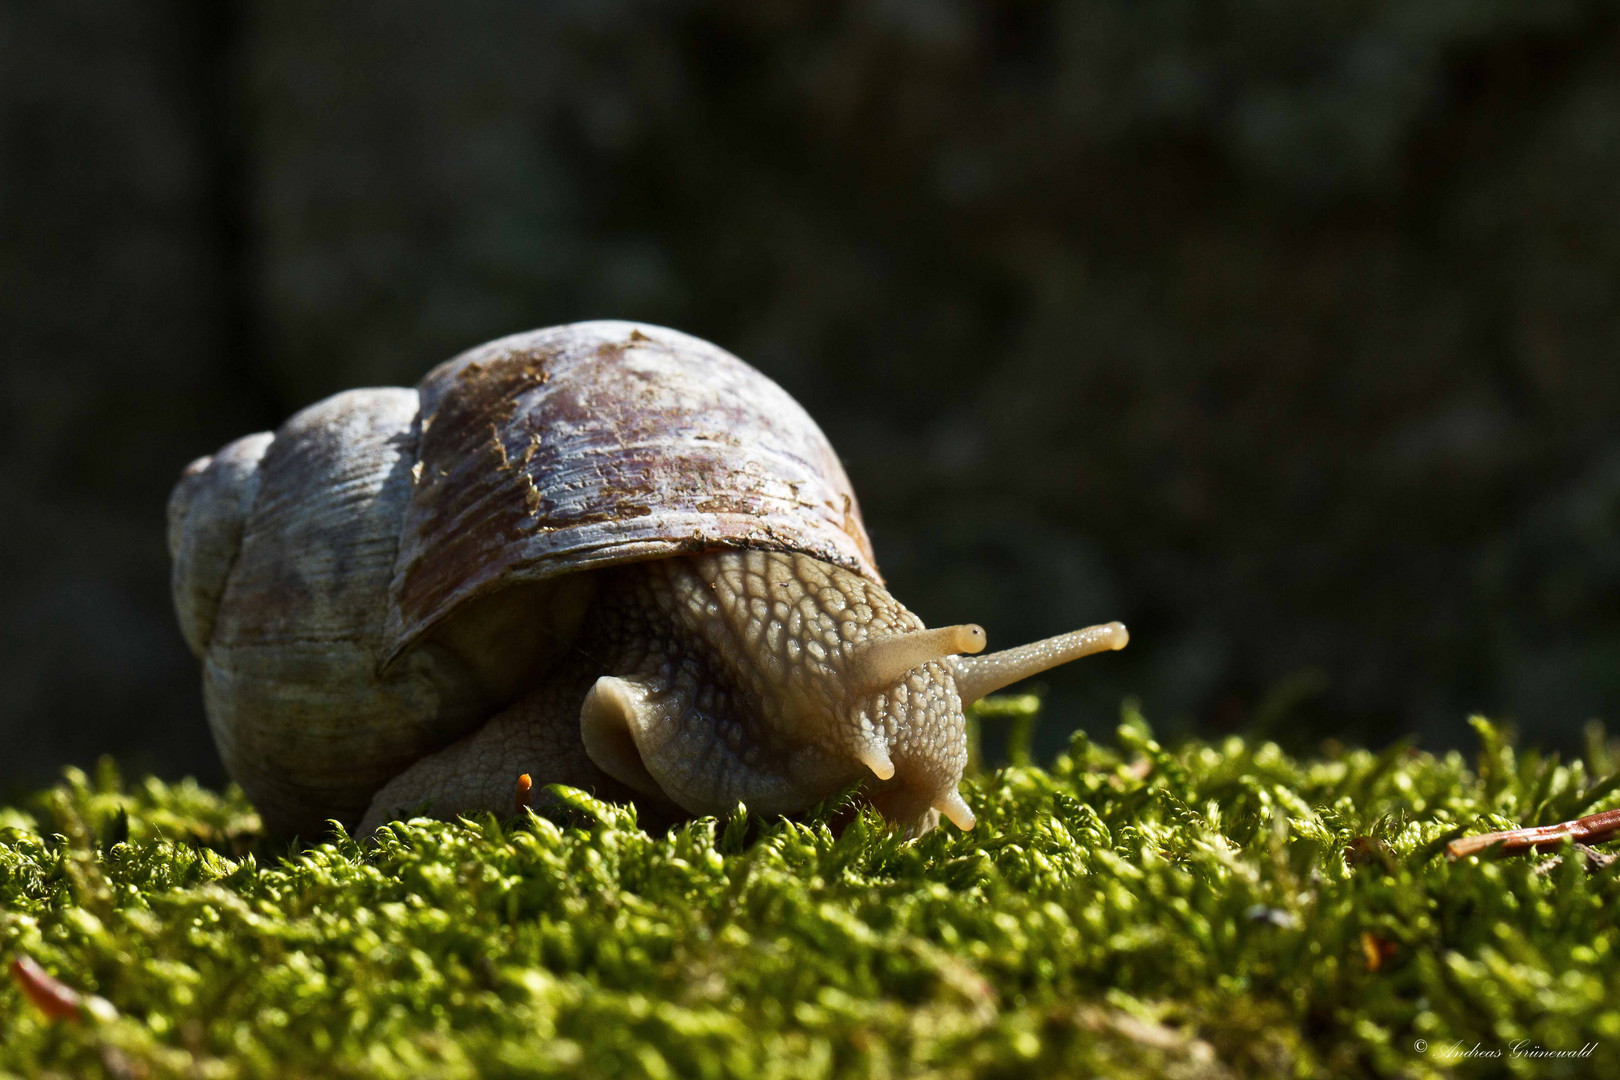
<point x="1209" y="910"/>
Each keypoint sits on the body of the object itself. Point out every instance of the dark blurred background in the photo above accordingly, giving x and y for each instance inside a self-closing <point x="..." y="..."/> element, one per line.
<point x="1285" y="332"/>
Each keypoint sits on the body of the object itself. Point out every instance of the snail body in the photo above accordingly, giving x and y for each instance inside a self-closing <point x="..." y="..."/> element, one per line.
<point x="606" y="554"/>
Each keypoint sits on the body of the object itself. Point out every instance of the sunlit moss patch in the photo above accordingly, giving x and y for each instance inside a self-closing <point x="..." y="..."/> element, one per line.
<point x="1212" y="910"/>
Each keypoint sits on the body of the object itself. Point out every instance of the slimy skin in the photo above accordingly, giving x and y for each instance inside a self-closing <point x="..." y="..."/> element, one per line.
<point x="767" y="678"/>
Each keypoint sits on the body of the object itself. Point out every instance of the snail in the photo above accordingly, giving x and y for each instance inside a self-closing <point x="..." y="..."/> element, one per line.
<point x="607" y="555"/>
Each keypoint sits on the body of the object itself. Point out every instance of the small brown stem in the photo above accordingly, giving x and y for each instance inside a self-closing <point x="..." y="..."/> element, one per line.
<point x="1593" y="829"/>
<point x="55" y="999"/>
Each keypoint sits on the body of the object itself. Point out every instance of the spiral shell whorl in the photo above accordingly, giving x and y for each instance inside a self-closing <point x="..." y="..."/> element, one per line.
<point x="301" y="718"/>
<point x="207" y="511"/>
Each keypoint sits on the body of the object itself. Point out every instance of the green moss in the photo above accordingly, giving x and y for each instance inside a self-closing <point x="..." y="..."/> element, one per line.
<point x="1188" y="912"/>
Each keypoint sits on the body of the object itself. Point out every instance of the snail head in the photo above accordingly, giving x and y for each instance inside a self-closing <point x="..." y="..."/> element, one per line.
<point x="775" y="679"/>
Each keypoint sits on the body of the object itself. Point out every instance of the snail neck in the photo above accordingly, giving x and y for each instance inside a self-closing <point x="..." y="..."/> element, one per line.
<point x="690" y="705"/>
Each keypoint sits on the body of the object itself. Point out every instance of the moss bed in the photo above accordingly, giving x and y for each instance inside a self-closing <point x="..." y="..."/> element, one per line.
<point x="1214" y="909"/>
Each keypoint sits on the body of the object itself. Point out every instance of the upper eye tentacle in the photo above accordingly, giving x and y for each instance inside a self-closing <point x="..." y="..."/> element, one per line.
<point x="981" y="675"/>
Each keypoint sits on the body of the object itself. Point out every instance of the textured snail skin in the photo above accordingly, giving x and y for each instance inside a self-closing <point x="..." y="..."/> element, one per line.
<point x="703" y="681"/>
